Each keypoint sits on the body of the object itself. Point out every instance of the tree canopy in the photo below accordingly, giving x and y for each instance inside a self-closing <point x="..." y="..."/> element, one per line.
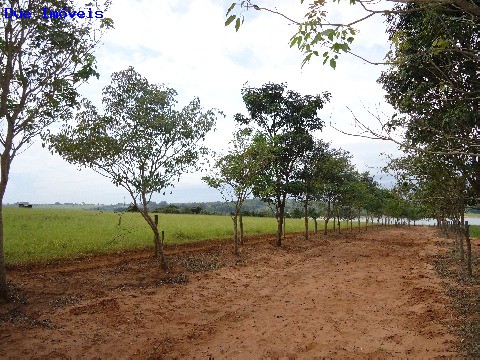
<point x="42" y="63"/>
<point x="286" y="120"/>
<point x="142" y="142"/>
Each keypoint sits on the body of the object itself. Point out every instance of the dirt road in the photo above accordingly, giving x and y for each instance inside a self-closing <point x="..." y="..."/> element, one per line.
<point x="372" y="295"/>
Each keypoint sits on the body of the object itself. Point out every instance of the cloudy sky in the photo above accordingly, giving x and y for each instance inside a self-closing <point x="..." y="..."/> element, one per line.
<point x="185" y="45"/>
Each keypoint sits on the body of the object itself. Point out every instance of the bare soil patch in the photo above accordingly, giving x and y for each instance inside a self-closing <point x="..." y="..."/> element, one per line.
<point x="374" y="295"/>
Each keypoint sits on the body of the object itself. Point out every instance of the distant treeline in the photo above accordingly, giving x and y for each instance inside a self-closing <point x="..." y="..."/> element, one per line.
<point x="251" y="207"/>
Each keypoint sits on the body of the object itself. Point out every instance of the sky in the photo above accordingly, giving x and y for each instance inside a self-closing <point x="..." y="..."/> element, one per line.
<point x="185" y="45"/>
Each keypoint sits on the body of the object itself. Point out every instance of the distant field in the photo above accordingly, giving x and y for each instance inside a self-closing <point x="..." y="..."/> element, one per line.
<point x="475" y="231"/>
<point x="45" y="234"/>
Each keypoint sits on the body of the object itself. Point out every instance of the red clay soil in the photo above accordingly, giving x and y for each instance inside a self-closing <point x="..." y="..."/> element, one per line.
<point x="374" y="295"/>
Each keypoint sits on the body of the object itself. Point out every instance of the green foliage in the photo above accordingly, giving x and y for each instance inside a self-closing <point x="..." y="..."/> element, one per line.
<point x="42" y="62"/>
<point x="170" y="209"/>
<point x="235" y="173"/>
<point x="284" y="119"/>
<point x="296" y="213"/>
<point x="433" y="84"/>
<point x="141" y="143"/>
<point x="435" y="188"/>
<point x="314" y="32"/>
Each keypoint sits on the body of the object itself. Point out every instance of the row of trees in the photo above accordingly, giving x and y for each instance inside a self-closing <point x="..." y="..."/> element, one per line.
<point x="275" y="156"/>
<point x="431" y="81"/>
<point x="434" y="85"/>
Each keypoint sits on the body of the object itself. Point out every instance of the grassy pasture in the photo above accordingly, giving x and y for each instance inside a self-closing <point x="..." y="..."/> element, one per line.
<point x="45" y="234"/>
<point x="475" y="231"/>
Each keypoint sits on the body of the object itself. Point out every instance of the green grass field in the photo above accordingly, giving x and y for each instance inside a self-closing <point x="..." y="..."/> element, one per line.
<point x="39" y="235"/>
<point x="475" y="231"/>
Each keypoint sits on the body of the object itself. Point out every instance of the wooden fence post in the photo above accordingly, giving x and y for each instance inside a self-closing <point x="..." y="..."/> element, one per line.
<point x="469" y="249"/>
<point x="240" y="220"/>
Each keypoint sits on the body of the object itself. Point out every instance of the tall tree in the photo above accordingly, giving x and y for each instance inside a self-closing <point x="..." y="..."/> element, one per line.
<point x="434" y="85"/>
<point x="42" y="63"/>
<point x="235" y="174"/>
<point x="434" y="185"/>
<point x="330" y="178"/>
<point x="141" y="143"/>
<point x="306" y="175"/>
<point x="286" y="120"/>
<point x="438" y="38"/>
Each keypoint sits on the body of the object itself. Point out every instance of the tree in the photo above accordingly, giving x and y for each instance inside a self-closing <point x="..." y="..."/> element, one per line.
<point x="444" y="29"/>
<point x="236" y="172"/>
<point x="317" y="33"/>
<point x="285" y="119"/>
<point x="435" y="186"/>
<point x="141" y="143"/>
<point x="433" y="76"/>
<point x="309" y="176"/>
<point x="42" y="63"/>
<point x="331" y="175"/>
<point x="437" y="91"/>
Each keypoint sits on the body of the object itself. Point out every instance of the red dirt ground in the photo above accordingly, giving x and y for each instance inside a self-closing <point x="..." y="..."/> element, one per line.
<point x="373" y="295"/>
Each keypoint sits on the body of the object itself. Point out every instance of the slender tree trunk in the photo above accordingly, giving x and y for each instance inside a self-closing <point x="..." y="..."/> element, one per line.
<point x="3" y="274"/>
<point x="280" y="218"/>
<point x="334" y="223"/>
<point x="240" y="219"/>
<point x="338" y="218"/>
<point x="306" y="216"/>
<point x="459" y="238"/>
<point x="351" y="224"/>
<point x="328" y="217"/>
<point x="5" y="163"/>
<point x="280" y="227"/>
<point x="316" y="225"/>
<point x="156" y="234"/>
<point x="469" y="249"/>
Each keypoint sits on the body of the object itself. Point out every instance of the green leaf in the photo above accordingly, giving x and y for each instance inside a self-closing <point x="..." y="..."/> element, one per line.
<point x="317" y="38"/>
<point x="333" y="63"/>
<point x="293" y="41"/>
<point x="230" y="8"/>
<point x="237" y="24"/>
<point x="330" y="34"/>
<point x="230" y="19"/>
